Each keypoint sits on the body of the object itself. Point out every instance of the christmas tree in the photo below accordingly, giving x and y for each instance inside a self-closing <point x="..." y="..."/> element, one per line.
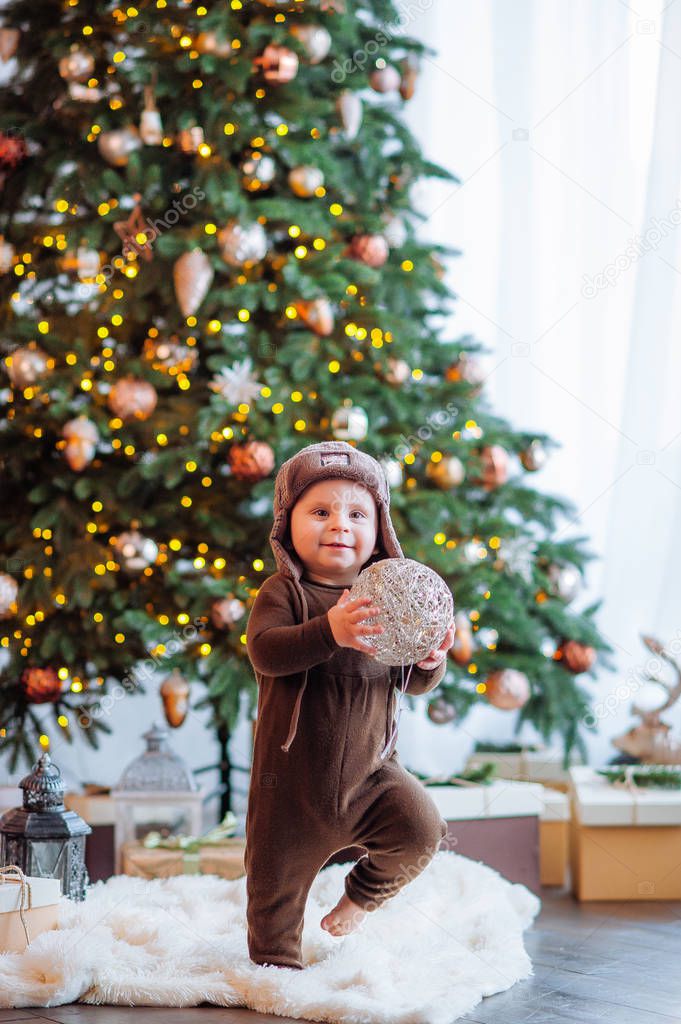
<point x="209" y="259"/>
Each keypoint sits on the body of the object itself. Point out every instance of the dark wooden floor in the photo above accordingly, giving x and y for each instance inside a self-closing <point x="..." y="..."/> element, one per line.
<point x="593" y="962"/>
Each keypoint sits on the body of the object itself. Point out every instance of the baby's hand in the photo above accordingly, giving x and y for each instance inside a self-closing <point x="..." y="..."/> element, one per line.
<point x="345" y="619"/>
<point x="437" y="656"/>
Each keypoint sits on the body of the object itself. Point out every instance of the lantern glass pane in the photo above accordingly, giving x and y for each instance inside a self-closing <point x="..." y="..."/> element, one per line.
<point x="167" y="819"/>
<point x="48" y="859"/>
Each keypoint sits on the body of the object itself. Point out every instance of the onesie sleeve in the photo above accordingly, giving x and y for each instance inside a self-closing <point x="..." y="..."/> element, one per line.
<point x="421" y="680"/>
<point x="277" y="644"/>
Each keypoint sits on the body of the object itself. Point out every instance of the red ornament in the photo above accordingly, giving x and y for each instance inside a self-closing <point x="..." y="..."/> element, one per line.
<point x="575" y="656"/>
<point x="13" y="151"/>
<point x="251" y="461"/>
<point x="41" y="685"/>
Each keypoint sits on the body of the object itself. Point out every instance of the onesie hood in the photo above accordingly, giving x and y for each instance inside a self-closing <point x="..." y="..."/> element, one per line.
<point x="323" y="461"/>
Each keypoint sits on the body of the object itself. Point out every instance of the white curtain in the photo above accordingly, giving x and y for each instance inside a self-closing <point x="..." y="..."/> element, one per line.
<point x="562" y="118"/>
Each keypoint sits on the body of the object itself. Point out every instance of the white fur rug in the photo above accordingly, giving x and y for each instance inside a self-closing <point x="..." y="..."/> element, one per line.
<point x="429" y="955"/>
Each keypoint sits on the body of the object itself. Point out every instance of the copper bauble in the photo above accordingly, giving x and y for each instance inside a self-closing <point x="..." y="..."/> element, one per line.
<point x="9" y="41"/>
<point x="494" y="467"/>
<point x="409" y="78"/>
<point x="251" y="461"/>
<point x="534" y="456"/>
<point x="9" y="588"/>
<point x="441" y="712"/>
<point x="169" y="355"/>
<point x="190" y="139"/>
<point x="469" y="370"/>
<point x="305" y="180"/>
<point x="28" y="366"/>
<point x="385" y="79"/>
<point x="81" y="436"/>
<point x="41" y="685"/>
<point x="447" y="473"/>
<point x="174" y="692"/>
<point x="398" y="371"/>
<point x="278" y="64"/>
<point x="370" y="249"/>
<point x="317" y="315"/>
<point x="461" y="650"/>
<point x="192" y="277"/>
<point x="77" y="65"/>
<point x="132" y="399"/>
<point x="576" y="657"/>
<point x="507" y="688"/>
<point x="226" y="611"/>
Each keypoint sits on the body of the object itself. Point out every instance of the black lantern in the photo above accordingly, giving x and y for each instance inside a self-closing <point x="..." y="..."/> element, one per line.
<point x="42" y="837"/>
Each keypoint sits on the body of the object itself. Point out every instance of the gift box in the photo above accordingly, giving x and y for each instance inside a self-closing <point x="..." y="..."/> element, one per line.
<point x="496" y="823"/>
<point x="554" y="837"/>
<point x="544" y="766"/>
<point x="97" y="808"/>
<point x="28" y="906"/>
<point x="225" y="860"/>
<point x="625" y="841"/>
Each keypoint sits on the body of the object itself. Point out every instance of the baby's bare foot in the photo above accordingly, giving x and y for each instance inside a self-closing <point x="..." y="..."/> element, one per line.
<point x="344" y="918"/>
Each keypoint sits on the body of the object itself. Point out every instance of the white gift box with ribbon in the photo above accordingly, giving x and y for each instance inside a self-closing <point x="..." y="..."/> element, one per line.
<point x="600" y="803"/>
<point x="502" y="798"/>
<point x="28" y="906"/>
<point x="541" y="766"/>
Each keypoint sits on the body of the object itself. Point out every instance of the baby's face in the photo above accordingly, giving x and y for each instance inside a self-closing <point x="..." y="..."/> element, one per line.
<point x="334" y="525"/>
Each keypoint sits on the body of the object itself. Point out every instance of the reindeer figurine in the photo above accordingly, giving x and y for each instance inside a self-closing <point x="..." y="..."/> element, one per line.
<point x="649" y="742"/>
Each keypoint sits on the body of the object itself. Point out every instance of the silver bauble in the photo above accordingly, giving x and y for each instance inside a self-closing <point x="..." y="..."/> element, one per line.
<point x="116" y="146"/>
<point x="242" y="243"/>
<point x="258" y="172"/>
<point x="77" y="65"/>
<point x="27" y="366"/>
<point x="134" y="551"/>
<point x="9" y="588"/>
<point x="350" y="423"/>
<point x="305" y="180"/>
<point x="315" y="40"/>
<point x="416" y="605"/>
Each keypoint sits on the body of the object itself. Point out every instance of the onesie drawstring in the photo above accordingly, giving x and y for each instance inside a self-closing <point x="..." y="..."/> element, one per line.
<point x="393" y="731"/>
<point x="295" y="714"/>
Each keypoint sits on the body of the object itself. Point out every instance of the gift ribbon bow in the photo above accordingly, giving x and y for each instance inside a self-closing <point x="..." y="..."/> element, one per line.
<point x="13" y="873"/>
<point x="629" y="783"/>
<point x="192" y="844"/>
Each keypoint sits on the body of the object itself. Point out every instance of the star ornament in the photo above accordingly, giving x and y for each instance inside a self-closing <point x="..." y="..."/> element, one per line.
<point x="236" y="383"/>
<point x="136" y="234"/>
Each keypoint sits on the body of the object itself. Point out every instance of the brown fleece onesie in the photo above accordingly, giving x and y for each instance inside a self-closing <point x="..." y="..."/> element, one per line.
<point x="331" y="788"/>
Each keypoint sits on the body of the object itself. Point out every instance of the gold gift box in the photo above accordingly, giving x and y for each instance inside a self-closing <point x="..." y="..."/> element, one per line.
<point x="225" y="859"/>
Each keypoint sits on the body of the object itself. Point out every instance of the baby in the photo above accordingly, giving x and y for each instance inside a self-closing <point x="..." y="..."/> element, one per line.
<point x="340" y="784"/>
